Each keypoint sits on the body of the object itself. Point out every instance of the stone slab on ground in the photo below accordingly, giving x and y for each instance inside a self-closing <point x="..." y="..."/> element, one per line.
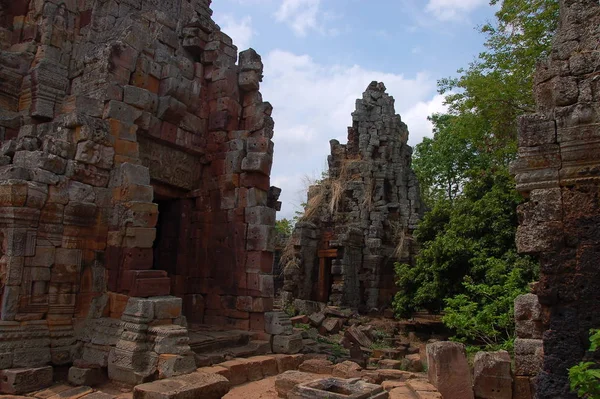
<point x="86" y="376"/>
<point x="73" y="393"/>
<point x="263" y="389"/>
<point x="316" y="366"/>
<point x="337" y="388"/>
<point x="401" y="392"/>
<point x="189" y="386"/>
<point x="285" y="382"/>
<point x="288" y="362"/>
<point x="347" y="369"/>
<point x="17" y="381"/>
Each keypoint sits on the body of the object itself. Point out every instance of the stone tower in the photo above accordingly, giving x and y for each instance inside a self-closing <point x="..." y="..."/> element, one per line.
<point x="558" y="170"/>
<point x="360" y="218"/>
<point x="134" y="183"/>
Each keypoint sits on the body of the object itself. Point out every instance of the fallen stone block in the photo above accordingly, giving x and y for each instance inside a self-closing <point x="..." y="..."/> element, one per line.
<point x="288" y="344"/>
<point x="492" y="377"/>
<point x="347" y="369"/>
<point x="287" y="381"/>
<point x="288" y="362"/>
<point x="189" y="386"/>
<point x="331" y="325"/>
<point x="17" y="381"/>
<point x="267" y="365"/>
<point x="448" y="370"/>
<point x="389" y="385"/>
<point x="360" y="338"/>
<point x="238" y="370"/>
<point x="390" y="364"/>
<point x="302" y="319"/>
<point x="86" y="376"/>
<point x="316" y="319"/>
<point x="401" y="392"/>
<point x="316" y="366"/>
<point x="412" y="363"/>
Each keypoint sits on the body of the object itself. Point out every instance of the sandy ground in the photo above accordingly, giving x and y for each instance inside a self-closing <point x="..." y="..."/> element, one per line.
<point x="263" y="389"/>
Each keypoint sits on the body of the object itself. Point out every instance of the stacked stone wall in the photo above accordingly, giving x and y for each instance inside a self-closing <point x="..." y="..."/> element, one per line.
<point x="359" y="220"/>
<point x="557" y="170"/>
<point x="107" y="110"/>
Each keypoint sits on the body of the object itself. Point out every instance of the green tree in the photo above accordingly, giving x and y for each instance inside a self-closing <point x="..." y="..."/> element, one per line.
<point x="284" y="227"/>
<point x="585" y="376"/>
<point x="468" y="265"/>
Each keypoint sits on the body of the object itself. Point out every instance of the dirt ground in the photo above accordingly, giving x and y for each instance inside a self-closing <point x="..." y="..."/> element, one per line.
<point x="263" y="389"/>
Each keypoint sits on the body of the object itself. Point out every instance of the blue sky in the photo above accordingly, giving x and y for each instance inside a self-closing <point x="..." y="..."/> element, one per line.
<point x="320" y="55"/>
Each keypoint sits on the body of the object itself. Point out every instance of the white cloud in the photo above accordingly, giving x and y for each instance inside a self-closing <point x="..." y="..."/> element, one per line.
<point x="240" y="31"/>
<point x="300" y="15"/>
<point x="312" y="104"/>
<point x="452" y="10"/>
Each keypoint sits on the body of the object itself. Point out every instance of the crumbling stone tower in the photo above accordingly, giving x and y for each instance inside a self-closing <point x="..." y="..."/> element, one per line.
<point x="558" y="170"/>
<point x="135" y="163"/>
<point x="360" y="218"/>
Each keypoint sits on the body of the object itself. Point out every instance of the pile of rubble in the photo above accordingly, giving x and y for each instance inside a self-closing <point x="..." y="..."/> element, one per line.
<point x="342" y="334"/>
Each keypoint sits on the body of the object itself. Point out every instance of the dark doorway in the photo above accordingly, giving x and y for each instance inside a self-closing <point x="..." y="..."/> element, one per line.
<point x="168" y="230"/>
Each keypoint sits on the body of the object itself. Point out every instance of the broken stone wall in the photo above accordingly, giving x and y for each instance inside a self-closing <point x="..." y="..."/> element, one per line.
<point x="557" y="170"/>
<point x="359" y="219"/>
<point x="111" y="111"/>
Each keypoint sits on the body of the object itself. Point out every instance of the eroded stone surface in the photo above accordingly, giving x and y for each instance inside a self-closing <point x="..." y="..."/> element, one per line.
<point x="360" y="219"/>
<point x="448" y="370"/>
<point x="134" y="163"/>
<point x="557" y="170"/>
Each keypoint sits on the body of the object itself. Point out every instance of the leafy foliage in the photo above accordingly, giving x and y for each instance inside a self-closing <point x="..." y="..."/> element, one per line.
<point x="284" y="227"/>
<point x="468" y="265"/>
<point x="585" y="376"/>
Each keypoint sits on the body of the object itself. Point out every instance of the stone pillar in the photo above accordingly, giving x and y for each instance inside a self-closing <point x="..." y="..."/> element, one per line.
<point x="557" y="170"/>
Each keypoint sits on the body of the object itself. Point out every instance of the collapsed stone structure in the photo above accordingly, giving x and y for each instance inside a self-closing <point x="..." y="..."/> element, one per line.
<point x="135" y="164"/>
<point x="557" y="170"/>
<point x="360" y="218"/>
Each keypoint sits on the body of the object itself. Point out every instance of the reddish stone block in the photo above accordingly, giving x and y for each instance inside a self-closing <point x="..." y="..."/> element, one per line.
<point x="147" y="287"/>
<point x="128" y="277"/>
<point x="168" y="132"/>
<point x="117" y="304"/>
<point x="259" y="261"/>
<point x="137" y="258"/>
<point x="257" y="321"/>
<point x="254" y="179"/>
<point x="262" y="304"/>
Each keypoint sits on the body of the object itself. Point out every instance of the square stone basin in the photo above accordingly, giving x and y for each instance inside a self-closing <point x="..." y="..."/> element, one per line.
<point x="337" y="388"/>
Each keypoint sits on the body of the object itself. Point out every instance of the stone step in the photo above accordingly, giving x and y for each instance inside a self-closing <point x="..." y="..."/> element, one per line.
<point x="253" y="348"/>
<point x="194" y="385"/>
<point x="203" y="342"/>
<point x="422" y="389"/>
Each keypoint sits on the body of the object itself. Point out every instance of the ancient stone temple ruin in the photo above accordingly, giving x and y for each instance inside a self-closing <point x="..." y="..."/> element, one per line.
<point x="359" y="219"/>
<point x="134" y="185"/>
<point x="558" y="170"/>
